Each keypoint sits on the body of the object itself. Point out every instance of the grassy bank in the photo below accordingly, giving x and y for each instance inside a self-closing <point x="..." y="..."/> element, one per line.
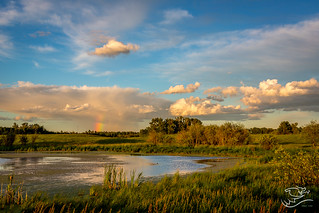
<point x="251" y="188"/>
<point x="257" y="186"/>
<point x="83" y="142"/>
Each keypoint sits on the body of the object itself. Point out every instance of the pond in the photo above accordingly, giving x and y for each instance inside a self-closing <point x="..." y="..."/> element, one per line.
<point x="71" y="172"/>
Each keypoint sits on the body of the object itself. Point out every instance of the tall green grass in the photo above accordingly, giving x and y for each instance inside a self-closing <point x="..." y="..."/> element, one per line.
<point x="247" y="188"/>
<point x="244" y="189"/>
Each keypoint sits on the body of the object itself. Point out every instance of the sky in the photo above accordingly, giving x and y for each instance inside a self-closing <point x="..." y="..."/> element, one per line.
<point x="114" y="65"/>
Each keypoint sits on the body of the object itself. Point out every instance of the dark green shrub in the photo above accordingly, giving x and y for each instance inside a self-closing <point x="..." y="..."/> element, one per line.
<point x="268" y="141"/>
<point x="9" y="138"/>
<point x="34" y="137"/>
<point x="23" y="139"/>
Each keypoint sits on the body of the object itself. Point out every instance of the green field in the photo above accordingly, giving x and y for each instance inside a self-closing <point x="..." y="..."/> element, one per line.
<point x="84" y="142"/>
<point x="256" y="186"/>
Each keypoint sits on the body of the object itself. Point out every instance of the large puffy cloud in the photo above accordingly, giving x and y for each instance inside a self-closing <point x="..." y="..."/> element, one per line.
<point x="295" y="95"/>
<point x="181" y="89"/>
<point x="114" y="48"/>
<point x="120" y="108"/>
<point x="225" y="92"/>
<point x="268" y="97"/>
<point x="195" y="106"/>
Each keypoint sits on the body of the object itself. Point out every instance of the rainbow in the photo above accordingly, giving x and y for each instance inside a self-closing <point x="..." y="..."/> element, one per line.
<point x="99" y="124"/>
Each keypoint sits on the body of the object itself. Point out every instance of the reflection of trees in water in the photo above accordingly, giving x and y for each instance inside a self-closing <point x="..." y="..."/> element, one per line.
<point x="20" y="162"/>
<point x="27" y="160"/>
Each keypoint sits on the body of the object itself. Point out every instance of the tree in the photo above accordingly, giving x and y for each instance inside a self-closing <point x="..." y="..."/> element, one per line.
<point x="155" y="137"/>
<point x="23" y="139"/>
<point x="210" y="134"/>
<point x="196" y="133"/>
<point x="170" y="126"/>
<point x="15" y="127"/>
<point x="232" y="134"/>
<point x="9" y="138"/>
<point x="284" y="128"/>
<point x="24" y="127"/>
<point x="157" y="125"/>
<point x="294" y="128"/>
<point x="311" y="130"/>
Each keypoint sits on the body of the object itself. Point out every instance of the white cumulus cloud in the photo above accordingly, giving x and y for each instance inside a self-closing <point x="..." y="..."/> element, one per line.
<point x="181" y="89"/>
<point x="114" y="48"/>
<point x="193" y="106"/>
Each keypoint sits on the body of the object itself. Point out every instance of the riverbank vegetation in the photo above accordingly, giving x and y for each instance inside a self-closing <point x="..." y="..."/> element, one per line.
<point x="275" y="159"/>
<point x="179" y="135"/>
<point x="247" y="188"/>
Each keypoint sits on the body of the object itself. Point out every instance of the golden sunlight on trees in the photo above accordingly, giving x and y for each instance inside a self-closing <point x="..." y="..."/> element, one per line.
<point x="311" y="130"/>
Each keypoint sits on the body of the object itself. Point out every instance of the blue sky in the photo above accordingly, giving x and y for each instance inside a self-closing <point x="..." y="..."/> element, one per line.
<point x="114" y="65"/>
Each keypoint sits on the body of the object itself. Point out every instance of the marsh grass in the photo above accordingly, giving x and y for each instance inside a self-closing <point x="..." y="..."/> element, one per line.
<point x="252" y="187"/>
<point x="246" y="188"/>
<point x="83" y="142"/>
<point x="11" y="195"/>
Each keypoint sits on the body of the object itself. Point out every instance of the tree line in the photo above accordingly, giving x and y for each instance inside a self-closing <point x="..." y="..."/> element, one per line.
<point x="24" y="128"/>
<point x="192" y="132"/>
<point x="170" y="125"/>
<point x="284" y="128"/>
<point x="118" y="134"/>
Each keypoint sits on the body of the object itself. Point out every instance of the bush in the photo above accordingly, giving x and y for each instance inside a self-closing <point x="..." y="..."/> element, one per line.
<point x="268" y="141"/>
<point x="311" y="131"/>
<point x="155" y="137"/>
<point x="2" y="139"/>
<point x="9" y="138"/>
<point x="168" y="139"/>
<point x="232" y="134"/>
<point x="34" y="137"/>
<point x="183" y="137"/>
<point x="23" y="139"/>
<point x="301" y="169"/>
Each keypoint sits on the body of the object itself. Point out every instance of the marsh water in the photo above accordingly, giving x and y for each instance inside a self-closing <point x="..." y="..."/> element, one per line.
<point x="59" y="172"/>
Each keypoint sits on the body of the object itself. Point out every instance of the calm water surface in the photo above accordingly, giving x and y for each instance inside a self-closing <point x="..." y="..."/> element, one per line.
<point x="66" y="172"/>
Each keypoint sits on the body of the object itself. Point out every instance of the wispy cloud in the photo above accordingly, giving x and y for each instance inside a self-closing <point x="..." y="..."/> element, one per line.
<point x="8" y="14"/>
<point x="181" y="89"/>
<point x="36" y="64"/>
<point x="4" y="118"/>
<point x="6" y="46"/>
<point x="114" y="48"/>
<point x="175" y="15"/>
<point x="40" y="34"/>
<point x="77" y="20"/>
<point x="44" y="48"/>
<point x="98" y="74"/>
<point x="274" y="51"/>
